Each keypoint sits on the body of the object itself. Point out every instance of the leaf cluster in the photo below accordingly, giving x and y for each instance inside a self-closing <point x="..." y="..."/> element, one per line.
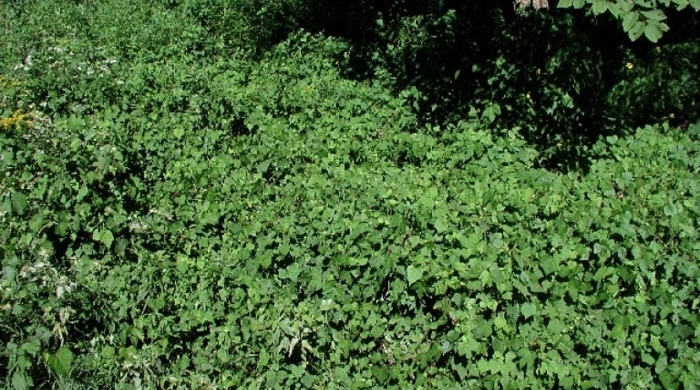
<point x="231" y="223"/>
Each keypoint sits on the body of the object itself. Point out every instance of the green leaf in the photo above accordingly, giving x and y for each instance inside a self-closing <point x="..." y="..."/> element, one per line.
<point x="528" y="309"/>
<point x="565" y="4"/>
<point x="308" y="381"/>
<point x="60" y="362"/>
<point x="441" y="225"/>
<point x="614" y="9"/>
<point x="19" y="202"/>
<point x="36" y="222"/>
<point x="19" y="381"/>
<point x="327" y="304"/>
<point x="629" y="21"/>
<point x="625" y="6"/>
<point x="556" y="326"/>
<point x="263" y="358"/>
<point x="653" y="32"/>
<point x="500" y="323"/>
<point x="600" y="7"/>
<point x="179" y="131"/>
<point x="108" y="352"/>
<point x="156" y="304"/>
<point x="636" y="31"/>
<point x="655" y="14"/>
<point x="603" y="272"/>
<point x="413" y="274"/>
<point x="107" y="238"/>
<point x="82" y="192"/>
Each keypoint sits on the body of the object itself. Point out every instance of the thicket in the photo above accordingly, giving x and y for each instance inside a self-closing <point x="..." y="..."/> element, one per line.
<point x="295" y="194"/>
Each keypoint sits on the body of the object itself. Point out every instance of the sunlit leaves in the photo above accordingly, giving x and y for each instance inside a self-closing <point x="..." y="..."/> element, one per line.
<point x="272" y="224"/>
<point x="638" y="18"/>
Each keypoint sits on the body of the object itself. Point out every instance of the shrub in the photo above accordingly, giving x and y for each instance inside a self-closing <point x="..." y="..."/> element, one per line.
<point x="236" y="223"/>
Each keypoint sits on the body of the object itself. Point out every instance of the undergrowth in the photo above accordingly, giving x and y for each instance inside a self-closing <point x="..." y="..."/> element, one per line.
<point x="176" y="212"/>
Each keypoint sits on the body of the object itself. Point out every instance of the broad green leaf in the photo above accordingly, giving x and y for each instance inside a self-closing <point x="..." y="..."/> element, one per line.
<point x="19" y="202"/>
<point x="441" y="225"/>
<point x="327" y="304"/>
<point x="625" y="6"/>
<point x="108" y="352"/>
<point x="500" y="323"/>
<point x="528" y="309"/>
<point x="653" y="32"/>
<point x="35" y="224"/>
<point x="656" y="14"/>
<point x="179" y="131"/>
<point x="630" y="20"/>
<point x="636" y="31"/>
<point x="60" y="362"/>
<point x="614" y="9"/>
<point x="413" y="274"/>
<point x="263" y="358"/>
<point x="680" y="4"/>
<point x="565" y="3"/>
<point x="308" y="380"/>
<point x="603" y="273"/>
<point x="32" y="347"/>
<point x="107" y="238"/>
<point x="19" y="380"/>
<point x="556" y="326"/>
<point x="156" y="304"/>
<point x="599" y="7"/>
<point x="82" y="192"/>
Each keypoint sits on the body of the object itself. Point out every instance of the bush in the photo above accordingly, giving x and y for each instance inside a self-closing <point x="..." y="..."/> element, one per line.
<point x="234" y="223"/>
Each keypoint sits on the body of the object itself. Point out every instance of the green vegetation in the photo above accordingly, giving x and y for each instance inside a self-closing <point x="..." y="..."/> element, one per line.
<point x="214" y="194"/>
<point x="640" y="17"/>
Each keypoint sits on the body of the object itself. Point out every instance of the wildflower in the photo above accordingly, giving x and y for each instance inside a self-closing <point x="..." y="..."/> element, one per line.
<point x="137" y="226"/>
<point x="629" y="65"/>
<point x="17" y="120"/>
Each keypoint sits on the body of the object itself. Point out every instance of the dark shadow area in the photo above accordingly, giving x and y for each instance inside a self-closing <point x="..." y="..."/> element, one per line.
<point x="564" y="78"/>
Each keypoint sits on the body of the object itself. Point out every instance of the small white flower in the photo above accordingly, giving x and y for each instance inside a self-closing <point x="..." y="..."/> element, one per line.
<point x="138" y="226"/>
<point x="44" y="253"/>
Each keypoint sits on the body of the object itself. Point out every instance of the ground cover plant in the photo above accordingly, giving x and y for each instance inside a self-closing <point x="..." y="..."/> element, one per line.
<point x="189" y="203"/>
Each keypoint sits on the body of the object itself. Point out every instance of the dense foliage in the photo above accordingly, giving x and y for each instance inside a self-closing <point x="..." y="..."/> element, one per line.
<point x="641" y="17"/>
<point x="199" y="194"/>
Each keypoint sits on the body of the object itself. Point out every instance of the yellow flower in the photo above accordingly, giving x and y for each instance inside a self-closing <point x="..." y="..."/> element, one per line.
<point x="629" y="65"/>
<point x="9" y="83"/>
<point x="16" y="120"/>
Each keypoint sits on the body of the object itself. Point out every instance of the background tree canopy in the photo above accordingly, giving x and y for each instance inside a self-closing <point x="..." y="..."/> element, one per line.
<point x="364" y="194"/>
